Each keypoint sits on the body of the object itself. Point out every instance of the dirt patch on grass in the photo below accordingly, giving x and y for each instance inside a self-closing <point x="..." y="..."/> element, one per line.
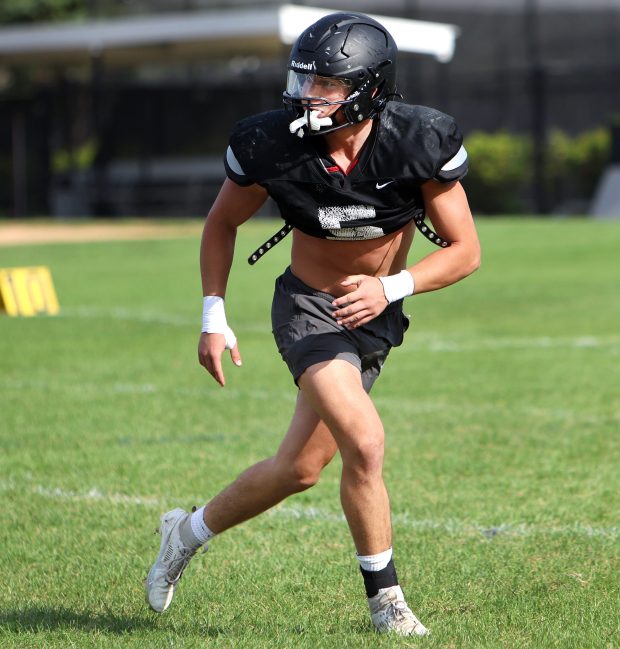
<point x="15" y="233"/>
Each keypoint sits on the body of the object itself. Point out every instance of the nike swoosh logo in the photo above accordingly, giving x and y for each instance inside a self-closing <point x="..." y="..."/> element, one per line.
<point x="378" y="186"/>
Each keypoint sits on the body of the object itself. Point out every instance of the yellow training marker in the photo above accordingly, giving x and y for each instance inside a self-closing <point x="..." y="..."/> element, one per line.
<point x="27" y="291"/>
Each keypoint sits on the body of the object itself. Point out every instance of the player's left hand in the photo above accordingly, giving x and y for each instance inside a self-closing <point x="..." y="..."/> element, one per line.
<point x="365" y="302"/>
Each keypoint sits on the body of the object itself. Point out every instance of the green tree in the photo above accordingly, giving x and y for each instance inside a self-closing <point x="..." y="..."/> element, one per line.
<point x="30" y="11"/>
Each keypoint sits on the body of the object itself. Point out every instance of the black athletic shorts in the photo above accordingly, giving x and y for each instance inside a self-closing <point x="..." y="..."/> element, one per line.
<point x="306" y="332"/>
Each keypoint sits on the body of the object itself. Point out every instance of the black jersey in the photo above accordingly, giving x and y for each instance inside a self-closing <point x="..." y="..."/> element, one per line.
<point x="408" y="146"/>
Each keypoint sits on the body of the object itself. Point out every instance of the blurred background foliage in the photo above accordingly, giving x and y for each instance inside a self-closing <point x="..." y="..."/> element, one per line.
<point x="32" y="11"/>
<point x="501" y="169"/>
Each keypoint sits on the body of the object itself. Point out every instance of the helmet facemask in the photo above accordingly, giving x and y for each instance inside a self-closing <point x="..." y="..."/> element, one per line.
<point x="315" y="100"/>
<point x="341" y="72"/>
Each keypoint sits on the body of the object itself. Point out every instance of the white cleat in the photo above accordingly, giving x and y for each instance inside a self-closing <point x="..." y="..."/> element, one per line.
<point x="171" y="562"/>
<point x="390" y="614"/>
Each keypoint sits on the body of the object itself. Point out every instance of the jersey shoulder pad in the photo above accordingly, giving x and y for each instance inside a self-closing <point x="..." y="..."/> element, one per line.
<point x="261" y="148"/>
<point x="430" y="142"/>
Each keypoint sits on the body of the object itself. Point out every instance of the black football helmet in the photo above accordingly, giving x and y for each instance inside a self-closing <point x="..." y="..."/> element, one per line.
<point x="350" y="50"/>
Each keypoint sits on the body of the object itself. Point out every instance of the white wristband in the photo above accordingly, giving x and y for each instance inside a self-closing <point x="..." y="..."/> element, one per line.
<point x="214" y="319"/>
<point x="398" y="286"/>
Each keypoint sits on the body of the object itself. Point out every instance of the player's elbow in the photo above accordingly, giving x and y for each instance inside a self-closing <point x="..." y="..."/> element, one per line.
<point x="469" y="258"/>
<point x="473" y="256"/>
<point x="475" y="259"/>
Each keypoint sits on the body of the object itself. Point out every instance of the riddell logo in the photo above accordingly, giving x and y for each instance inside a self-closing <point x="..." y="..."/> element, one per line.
<point x="303" y="66"/>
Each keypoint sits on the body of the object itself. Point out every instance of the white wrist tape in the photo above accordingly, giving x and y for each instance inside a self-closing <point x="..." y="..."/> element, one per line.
<point x="398" y="286"/>
<point x="214" y="319"/>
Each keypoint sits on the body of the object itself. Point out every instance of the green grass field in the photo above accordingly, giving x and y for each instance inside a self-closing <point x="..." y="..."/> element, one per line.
<point x="502" y="412"/>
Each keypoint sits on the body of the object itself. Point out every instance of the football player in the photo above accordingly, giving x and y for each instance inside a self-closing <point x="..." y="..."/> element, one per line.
<point x="352" y="169"/>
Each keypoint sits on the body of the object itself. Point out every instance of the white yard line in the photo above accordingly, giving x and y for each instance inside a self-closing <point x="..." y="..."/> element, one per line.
<point x="122" y="314"/>
<point x="95" y="495"/>
<point x="452" y="527"/>
<point x="90" y="495"/>
<point x="501" y="343"/>
<point x="420" y="341"/>
<point x="86" y="390"/>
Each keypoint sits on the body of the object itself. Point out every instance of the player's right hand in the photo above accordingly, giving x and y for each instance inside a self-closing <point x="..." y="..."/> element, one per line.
<point x="210" y="349"/>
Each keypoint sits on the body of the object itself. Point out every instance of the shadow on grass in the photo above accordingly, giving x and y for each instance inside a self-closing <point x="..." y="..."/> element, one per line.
<point x="42" y="619"/>
<point x="49" y="618"/>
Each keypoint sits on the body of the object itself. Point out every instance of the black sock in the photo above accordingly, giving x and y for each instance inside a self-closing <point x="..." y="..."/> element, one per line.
<point x="374" y="580"/>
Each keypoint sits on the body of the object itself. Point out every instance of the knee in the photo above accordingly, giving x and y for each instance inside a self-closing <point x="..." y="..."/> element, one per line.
<point x="300" y="475"/>
<point x="364" y="458"/>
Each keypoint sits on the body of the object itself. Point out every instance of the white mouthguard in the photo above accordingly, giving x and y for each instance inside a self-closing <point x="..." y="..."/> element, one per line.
<point x="311" y="117"/>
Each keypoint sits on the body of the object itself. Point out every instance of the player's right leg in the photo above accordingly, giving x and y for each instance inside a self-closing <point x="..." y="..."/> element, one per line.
<point x="307" y="447"/>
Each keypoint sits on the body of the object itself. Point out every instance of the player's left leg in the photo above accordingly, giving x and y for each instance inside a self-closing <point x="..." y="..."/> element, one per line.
<point x="336" y="392"/>
<point x="306" y="449"/>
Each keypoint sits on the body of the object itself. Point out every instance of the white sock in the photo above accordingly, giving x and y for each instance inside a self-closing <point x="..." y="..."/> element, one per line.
<point x="199" y="528"/>
<point x="375" y="562"/>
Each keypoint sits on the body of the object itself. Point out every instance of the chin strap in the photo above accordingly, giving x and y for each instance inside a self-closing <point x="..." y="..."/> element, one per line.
<point x="311" y="121"/>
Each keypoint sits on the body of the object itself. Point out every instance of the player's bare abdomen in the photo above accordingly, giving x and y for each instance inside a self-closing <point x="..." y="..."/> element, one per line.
<point x="324" y="263"/>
